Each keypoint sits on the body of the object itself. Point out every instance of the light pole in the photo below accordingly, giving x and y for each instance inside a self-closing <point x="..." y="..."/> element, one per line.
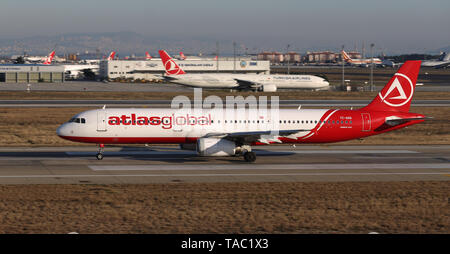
<point x="343" y="64"/>
<point x="217" y="57"/>
<point x="234" y="56"/>
<point x="371" y="67"/>
<point x="288" y="61"/>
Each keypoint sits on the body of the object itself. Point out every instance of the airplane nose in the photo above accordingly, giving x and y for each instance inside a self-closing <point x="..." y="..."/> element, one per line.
<point x="62" y="130"/>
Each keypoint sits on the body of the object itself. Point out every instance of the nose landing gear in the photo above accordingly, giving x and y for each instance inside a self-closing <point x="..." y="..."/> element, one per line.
<point x="100" y="152"/>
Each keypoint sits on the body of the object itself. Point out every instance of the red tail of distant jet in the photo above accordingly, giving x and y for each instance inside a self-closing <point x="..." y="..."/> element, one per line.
<point x="111" y="56"/>
<point x="349" y="60"/>
<point x="170" y="65"/>
<point x="148" y="56"/>
<point x="182" y="56"/>
<point x="49" y="59"/>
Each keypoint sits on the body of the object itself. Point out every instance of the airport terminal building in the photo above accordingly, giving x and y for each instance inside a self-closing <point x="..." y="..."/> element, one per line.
<point x="153" y="69"/>
<point x="31" y="73"/>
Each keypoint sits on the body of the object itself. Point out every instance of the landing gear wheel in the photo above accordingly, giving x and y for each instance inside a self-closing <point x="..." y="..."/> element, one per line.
<point x="250" y="156"/>
<point x="99" y="156"/>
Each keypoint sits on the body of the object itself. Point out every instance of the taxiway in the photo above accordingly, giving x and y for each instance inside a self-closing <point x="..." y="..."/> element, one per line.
<point x="280" y="163"/>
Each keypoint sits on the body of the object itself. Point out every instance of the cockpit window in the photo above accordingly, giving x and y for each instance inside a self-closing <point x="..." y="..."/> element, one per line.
<point x="77" y="120"/>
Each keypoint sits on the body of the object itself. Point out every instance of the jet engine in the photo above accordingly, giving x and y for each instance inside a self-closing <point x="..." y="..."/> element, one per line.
<point x="215" y="147"/>
<point x="268" y="88"/>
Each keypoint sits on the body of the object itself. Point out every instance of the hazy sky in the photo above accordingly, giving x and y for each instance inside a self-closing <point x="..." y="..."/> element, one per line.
<point x="390" y="24"/>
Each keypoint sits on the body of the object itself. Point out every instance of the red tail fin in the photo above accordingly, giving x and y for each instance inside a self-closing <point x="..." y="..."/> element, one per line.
<point x="49" y="59"/>
<point x="397" y="94"/>
<point x="112" y="55"/>
<point x="346" y="56"/>
<point x="170" y="65"/>
<point x="182" y="56"/>
<point x="147" y="56"/>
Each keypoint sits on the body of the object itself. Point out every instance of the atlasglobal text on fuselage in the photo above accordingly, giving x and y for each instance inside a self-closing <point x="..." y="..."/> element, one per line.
<point x="231" y="132"/>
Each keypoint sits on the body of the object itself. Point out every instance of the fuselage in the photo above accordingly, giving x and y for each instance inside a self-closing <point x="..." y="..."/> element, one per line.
<point x="231" y="80"/>
<point x="365" y="61"/>
<point x="170" y="126"/>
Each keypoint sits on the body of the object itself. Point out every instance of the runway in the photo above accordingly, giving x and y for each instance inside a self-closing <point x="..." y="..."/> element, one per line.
<point x="168" y="164"/>
<point x="167" y="103"/>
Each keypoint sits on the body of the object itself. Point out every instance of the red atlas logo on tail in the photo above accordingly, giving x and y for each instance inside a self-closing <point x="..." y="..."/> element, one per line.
<point x="400" y="91"/>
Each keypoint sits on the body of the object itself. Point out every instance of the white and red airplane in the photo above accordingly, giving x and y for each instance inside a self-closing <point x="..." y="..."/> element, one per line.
<point x="362" y="62"/>
<point x="49" y="58"/>
<point x="214" y="132"/>
<point x="255" y="82"/>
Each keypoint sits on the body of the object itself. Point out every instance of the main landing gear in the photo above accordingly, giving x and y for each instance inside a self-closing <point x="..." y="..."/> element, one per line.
<point x="100" y="152"/>
<point x="250" y="156"/>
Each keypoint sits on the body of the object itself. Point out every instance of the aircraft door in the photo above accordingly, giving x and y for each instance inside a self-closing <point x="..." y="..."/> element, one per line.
<point x="366" y="126"/>
<point x="101" y="120"/>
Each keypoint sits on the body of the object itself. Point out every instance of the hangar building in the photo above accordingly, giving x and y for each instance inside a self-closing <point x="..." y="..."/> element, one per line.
<point x="31" y="73"/>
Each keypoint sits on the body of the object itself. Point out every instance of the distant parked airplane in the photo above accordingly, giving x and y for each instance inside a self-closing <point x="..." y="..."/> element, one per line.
<point x="360" y="62"/>
<point x="259" y="82"/>
<point x="443" y="62"/>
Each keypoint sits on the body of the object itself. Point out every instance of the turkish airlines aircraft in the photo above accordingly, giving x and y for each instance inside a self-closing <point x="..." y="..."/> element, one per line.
<point x="363" y="62"/>
<point x="49" y="59"/>
<point x="259" y="82"/>
<point x="218" y="132"/>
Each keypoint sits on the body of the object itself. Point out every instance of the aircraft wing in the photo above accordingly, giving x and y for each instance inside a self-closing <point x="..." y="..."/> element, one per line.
<point x="246" y="84"/>
<point x="250" y="137"/>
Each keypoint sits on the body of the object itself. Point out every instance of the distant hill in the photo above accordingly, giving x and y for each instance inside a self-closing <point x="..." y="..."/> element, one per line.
<point x="125" y="43"/>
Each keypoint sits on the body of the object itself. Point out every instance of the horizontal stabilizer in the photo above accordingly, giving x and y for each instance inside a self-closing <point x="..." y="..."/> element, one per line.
<point x="394" y="121"/>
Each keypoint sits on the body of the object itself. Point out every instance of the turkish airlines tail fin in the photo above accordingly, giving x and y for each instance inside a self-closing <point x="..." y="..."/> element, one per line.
<point x="182" y="56"/>
<point x="148" y="56"/>
<point x="112" y="55"/>
<point x="346" y="56"/>
<point x="49" y="59"/>
<point x="170" y="65"/>
<point x="397" y="94"/>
